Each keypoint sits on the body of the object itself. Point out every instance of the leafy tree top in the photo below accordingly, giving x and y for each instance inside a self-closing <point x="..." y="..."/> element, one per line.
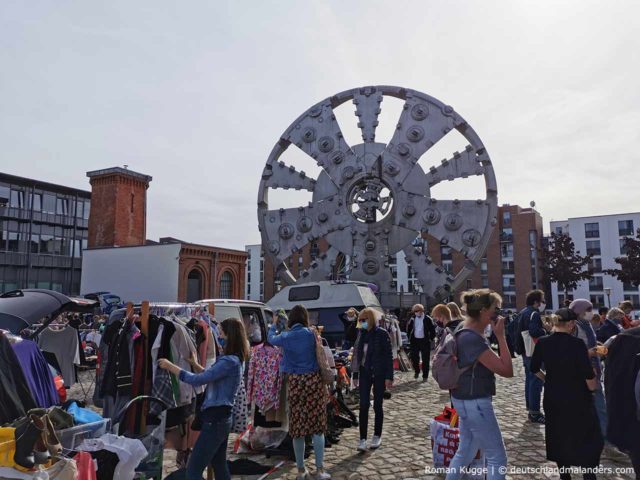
<point x="629" y="271"/>
<point x="563" y="264"/>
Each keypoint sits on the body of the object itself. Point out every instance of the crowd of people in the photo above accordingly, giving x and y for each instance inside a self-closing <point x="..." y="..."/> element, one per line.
<point x="588" y="372"/>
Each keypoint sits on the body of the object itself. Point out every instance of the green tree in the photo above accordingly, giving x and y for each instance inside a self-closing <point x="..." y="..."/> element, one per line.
<point x="564" y="265"/>
<point x="629" y="271"/>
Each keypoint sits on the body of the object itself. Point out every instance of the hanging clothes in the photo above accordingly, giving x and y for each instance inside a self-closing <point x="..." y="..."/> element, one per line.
<point x="264" y="378"/>
<point x="65" y="346"/>
<point x="37" y="373"/>
<point x="15" y="395"/>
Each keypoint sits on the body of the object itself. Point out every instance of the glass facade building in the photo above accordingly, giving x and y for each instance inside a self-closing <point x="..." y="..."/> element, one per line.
<point x="43" y="230"/>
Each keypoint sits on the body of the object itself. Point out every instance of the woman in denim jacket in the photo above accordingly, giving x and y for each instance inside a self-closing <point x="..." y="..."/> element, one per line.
<point x="222" y="380"/>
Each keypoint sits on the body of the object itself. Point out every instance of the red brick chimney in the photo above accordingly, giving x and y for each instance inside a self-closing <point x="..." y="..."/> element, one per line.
<point x="118" y="216"/>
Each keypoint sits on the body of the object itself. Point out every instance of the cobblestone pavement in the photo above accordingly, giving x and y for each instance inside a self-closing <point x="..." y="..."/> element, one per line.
<point x="405" y="452"/>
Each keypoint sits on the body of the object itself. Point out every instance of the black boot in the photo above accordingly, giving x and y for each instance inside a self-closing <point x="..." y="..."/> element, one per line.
<point x="26" y="436"/>
<point x="40" y="450"/>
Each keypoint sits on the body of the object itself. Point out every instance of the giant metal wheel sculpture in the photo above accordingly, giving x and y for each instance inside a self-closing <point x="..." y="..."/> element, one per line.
<point x="372" y="200"/>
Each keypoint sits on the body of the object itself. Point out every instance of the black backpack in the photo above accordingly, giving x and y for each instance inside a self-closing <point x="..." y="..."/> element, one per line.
<point x="514" y="330"/>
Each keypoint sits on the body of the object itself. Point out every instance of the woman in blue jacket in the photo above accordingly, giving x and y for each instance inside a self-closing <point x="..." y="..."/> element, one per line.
<point x="222" y="380"/>
<point x="306" y="393"/>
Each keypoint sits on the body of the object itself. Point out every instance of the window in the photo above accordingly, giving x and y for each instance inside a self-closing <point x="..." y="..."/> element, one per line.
<point x="447" y="266"/>
<point x="5" y="193"/>
<point x="635" y="299"/>
<point x="595" y="283"/>
<point x="562" y="300"/>
<point x="483" y="266"/>
<point x="596" y="265"/>
<point x="508" y="284"/>
<point x="298" y="294"/>
<point x="592" y="230"/>
<point x="226" y="285"/>
<point x="533" y="239"/>
<point x="62" y="206"/>
<point x="593" y="247"/>
<point x="506" y="218"/>
<point x="485" y="282"/>
<point x="597" y="300"/>
<point x="507" y="250"/>
<point x="300" y="260"/>
<point x="629" y="287"/>
<point x="507" y="266"/>
<point x="46" y="244"/>
<point x="623" y="246"/>
<point x="37" y="202"/>
<point x="133" y="198"/>
<point x="248" y="289"/>
<point x="48" y="203"/>
<point x="35" y="242"/>
<point x="17" y="199"/>
<point x="506" y="235"/>
<point x="625" y="227"/>
<point x="558" y="230"/>
<point x="87" y="208"/>
<point x="13" y="244"/>
<point x="194" y="287"/>
<point x="508" y="301"/>
<point x="446" y="253"/>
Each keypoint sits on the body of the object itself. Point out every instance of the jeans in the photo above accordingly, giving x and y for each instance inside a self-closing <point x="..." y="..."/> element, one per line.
<point x="318" y="450"/>
<point x="421" y="347"/>
<point x="211" y="446"/>
<point x="479" y="430"/>
<point x="366" y="382"/>
<point x="601" y="410"/>
<point x="532" y="387"/>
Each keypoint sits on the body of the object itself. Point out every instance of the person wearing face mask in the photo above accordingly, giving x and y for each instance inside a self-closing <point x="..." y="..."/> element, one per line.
<point x="583" y="309"/>
<point x="442" y="317"/>
<point x="350" y="319"/>
<point x="420" y="331"/>
<point x="375" y="363"/>
<point x="531" y="330"/>
<point x="473" y="397"/>
<point x="572" y="430"/>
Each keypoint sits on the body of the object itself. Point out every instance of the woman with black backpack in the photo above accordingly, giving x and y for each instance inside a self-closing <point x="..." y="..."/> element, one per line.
<point x="472" y="397"/>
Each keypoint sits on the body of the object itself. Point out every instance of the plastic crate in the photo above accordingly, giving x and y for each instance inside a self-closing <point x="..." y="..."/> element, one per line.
<point x="70" y="438"/>
<point x="7" y="447"/>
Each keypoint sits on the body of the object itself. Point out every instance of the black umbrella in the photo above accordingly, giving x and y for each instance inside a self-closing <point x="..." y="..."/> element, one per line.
<point x="22" y="308"/>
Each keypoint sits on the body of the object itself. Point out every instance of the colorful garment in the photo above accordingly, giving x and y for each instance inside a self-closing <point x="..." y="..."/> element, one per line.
<point x="263" y="386"/>
<point x="307" y="404"/>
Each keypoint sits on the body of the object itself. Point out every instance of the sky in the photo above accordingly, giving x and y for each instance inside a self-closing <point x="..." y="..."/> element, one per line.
<point x="196" y="94"/>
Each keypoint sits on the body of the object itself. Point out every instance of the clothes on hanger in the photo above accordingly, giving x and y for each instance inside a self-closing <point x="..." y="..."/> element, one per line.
<point x="15" y="395"/>
<point x="65" y="346"/>
<point x="37" y="373"/>
<point x="264" y="377"/>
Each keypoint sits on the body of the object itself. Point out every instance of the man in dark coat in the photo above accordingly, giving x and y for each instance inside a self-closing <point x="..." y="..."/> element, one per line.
<point x="622" y="387"/>
<point x="421" y="331"/>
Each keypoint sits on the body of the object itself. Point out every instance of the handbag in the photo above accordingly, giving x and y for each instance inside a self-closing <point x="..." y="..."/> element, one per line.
<point x="240" y="411"/>
<point x="328" y="376"/>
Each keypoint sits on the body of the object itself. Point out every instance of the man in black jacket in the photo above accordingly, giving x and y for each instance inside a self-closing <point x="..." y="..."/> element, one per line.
<point x="420" y="331"/>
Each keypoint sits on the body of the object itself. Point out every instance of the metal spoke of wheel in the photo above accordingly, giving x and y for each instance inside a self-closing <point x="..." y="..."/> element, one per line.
<point x="372" y="200"/>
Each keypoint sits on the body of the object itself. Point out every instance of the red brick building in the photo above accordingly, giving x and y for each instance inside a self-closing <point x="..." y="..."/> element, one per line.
<point x="118" y="222"/>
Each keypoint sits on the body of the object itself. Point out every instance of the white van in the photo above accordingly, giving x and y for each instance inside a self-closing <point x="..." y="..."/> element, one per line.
<point x="326" y="302"/>
<point x="255" y="315"/>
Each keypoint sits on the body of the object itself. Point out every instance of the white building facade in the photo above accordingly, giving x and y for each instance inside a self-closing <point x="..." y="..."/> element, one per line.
<point x="254" y="280"/>
<point x="603" y="237"/>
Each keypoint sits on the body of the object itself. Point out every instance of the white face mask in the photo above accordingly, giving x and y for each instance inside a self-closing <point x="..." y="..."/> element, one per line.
<point x="542" y="307"/>
<point x="588" y="316"/>
<point x="351" y="319"/>
<point x="419" y="314"/>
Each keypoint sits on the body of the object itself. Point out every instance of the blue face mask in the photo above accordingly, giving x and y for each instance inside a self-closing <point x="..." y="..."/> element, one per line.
<point x="364" y="325"/>
<point x="222" y="341"/>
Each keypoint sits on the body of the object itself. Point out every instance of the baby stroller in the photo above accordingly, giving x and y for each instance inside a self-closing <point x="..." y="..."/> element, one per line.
<point x="152" y="437"/>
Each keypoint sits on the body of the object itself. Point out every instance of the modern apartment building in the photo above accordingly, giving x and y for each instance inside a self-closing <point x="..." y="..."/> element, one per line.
<point x="43" y="231"/>
<point x="603" y="238"/>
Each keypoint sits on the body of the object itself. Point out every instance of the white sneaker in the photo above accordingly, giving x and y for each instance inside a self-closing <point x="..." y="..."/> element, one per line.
<point x="362" y="446"/>
<point x="375" y="442"/>
<point x="322" y="475"/>
<point x="303" y="475"/>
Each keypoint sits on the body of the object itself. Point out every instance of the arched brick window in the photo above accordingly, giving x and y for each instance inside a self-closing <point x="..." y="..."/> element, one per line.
<point x="226" y="285"/>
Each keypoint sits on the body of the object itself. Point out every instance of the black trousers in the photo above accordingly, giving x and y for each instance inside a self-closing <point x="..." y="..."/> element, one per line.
<point x="567" y="476"/>
<point x="367" y="380"/>
<point x="421" y="347"/>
